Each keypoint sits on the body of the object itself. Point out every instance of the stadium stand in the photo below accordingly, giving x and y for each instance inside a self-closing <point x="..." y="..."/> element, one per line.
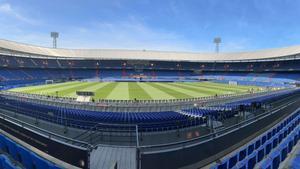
<point x="175" y="133"/>
<point x="146" y="121"/>
<point x="20" y="77"/>
<point x="232" y="108"/>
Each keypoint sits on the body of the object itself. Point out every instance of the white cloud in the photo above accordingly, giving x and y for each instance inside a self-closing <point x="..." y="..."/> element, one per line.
<point x="130" y="34"/>
<point x="7" y="9"/>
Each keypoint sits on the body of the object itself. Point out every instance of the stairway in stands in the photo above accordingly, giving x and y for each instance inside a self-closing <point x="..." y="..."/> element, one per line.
<point x="105" y="157"/>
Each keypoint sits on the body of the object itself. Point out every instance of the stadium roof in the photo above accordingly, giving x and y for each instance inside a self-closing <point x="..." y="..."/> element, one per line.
<point x="148" y="55"/>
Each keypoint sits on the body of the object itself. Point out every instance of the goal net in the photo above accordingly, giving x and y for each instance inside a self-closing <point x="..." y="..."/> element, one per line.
<point x="49" y="82"/>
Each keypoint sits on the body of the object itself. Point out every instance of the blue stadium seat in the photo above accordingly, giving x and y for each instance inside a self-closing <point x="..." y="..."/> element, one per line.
<point x="281" y="136"/>
<point x="263" y="139"/>
<point x="275" y="141"/>
<point x="251" y="160"/>
<point x="260" y="153"/>
<point x="12" y="148"/>
<point x="283" y="151"/>
<point x="242" y="154"/>
<point x="25" y="157"/>
<point x="2" y="158"/>
<point x="290" y="142"/>
<point x="275" y="156"/>
<point x="28" y="159"/>
<point x="269" y="135"/>
<point x="257" y="144"/>
<point x="268" y="147"/>
<point x="250" y="148"/>
<point x="232" y="161"/>
<point x="2" y="143"/>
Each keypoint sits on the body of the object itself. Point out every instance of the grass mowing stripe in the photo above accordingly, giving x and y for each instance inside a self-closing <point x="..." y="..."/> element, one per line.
<point x="120" y="92"/>
<point x="200" y="90"/>
<point x="140" y="90"/>
<point x="52" y="86"/>
<point x="171" y="92"/>
<point x="220" y="88"/>
<point x="95" y="87"/>
<point x="68" y="91"/>
<point x="104" y="91"/>
<point x="53" y="91"/>
<point x="136" y="91"/>
<point x="181" y="89"/>
<point x="91" y="87"/>
<point x="32" y="89"/>
<point x="155" y="93"/>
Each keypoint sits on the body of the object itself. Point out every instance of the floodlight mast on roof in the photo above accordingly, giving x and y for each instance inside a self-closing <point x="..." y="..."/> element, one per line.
<point x="54" y="35"/>
<point x="217" y="41"/>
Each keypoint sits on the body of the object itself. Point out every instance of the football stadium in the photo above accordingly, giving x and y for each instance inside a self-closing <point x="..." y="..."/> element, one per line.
<point x="131" y="109"/>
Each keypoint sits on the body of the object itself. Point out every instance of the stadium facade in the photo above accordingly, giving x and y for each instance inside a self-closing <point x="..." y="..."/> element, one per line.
<point x="222" y="131"/>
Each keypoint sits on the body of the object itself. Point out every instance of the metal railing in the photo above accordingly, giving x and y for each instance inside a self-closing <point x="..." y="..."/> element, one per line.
<point x="133" y="105"/>
<point x="201" y="139"/>
<point x="46" y="133"/>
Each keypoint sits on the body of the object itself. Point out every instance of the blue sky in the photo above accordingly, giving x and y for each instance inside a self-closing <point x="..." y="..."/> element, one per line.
<point x="175" y="25"/>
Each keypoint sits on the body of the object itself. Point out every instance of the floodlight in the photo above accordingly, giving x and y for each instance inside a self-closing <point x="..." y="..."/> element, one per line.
<point x="54" y="35"/>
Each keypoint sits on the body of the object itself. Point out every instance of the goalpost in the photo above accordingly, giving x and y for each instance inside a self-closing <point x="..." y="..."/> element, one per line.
<point x="233" y="83"/>
<point x="49" y="82"/>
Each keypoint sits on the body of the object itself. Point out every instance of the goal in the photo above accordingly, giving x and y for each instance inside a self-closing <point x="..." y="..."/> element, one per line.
<point x="49" y="82"/>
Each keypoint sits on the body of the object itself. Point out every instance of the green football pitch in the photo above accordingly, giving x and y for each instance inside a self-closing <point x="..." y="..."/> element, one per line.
<point x="136" y="90"/>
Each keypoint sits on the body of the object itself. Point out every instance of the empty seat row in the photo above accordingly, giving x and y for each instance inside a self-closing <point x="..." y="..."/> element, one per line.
<point x="230" y="109"/>
<point x="279" y="154"/>
<point x="146" y="121"/>
<point x="24" y="156"/>
<point x="255" y="151"/>
<point x="260" y="99"/>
